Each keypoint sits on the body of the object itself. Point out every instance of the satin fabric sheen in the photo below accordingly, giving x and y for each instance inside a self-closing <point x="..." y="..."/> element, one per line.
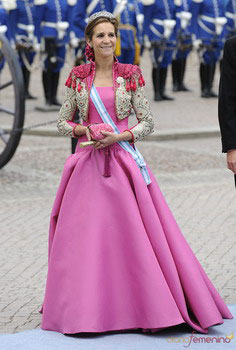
<point x="116" y="256"/>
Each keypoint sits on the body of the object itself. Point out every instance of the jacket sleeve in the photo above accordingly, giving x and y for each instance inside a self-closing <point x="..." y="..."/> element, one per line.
<point x="143" y="114"/>
<point x="65" y="122"/>
<point x="227" y="97"/>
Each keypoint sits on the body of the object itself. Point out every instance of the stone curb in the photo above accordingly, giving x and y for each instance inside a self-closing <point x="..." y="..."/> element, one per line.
<point x="177" y="134"/>
<point x="166" y="135"/>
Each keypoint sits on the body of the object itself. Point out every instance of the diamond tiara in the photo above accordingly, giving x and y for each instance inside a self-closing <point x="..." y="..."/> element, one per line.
<point x="100" y="14"/>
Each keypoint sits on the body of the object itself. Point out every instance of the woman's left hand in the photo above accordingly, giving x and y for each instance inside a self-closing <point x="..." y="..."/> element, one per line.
<point x="107" y="141"/>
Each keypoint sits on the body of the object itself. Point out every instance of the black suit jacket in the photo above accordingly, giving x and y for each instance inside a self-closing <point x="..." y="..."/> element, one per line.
<point x="227" y="96"/>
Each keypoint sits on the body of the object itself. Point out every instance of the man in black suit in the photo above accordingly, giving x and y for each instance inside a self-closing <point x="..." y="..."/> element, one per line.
<point x="227" y="103"/>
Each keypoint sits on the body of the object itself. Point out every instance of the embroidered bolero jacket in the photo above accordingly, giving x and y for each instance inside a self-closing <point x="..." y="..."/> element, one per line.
<point x="128" y="84"/>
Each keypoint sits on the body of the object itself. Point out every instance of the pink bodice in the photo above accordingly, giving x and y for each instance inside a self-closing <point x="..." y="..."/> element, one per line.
<point x="108" y="98"/>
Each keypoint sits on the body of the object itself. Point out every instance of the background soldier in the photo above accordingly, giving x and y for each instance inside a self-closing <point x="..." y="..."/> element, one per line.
<point x="208" y="22"/>
<point x="4" y="18"/>
<point x="160" y="32"/>
<point x="5" y="7"/>
<point x="22" y="24"/>
<point x="184" y="45"/>
<point x="130" y="32"/>
<point x="230" y="14"/>
<point x="4" y="25"/>
<point x="52" y="26"/>
<point x="86" y="8"/>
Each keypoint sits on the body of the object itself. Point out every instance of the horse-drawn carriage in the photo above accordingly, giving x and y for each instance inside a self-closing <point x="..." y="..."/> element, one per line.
<point x="12" y="101"/>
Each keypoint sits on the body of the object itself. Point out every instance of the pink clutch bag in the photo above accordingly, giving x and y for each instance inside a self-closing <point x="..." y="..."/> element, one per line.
<point x="95" y="130"/>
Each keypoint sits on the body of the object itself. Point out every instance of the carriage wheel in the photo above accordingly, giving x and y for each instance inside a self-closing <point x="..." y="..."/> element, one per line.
<point x="12" y="101"/>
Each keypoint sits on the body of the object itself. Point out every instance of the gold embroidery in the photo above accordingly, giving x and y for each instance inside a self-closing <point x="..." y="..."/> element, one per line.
<point x="66" y="112"/>
<point x="125" y="101"/>
<point x="143" y="113"/>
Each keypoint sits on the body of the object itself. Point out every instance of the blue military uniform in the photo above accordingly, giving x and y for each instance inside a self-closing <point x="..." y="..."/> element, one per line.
<point x="3" y="19"/>
<point x="5" y="27"/>
<point x="22" y="25"/>
<point x="160" y="29"/>
<point x="184" y="45"/>
<point x="130" y="32"/>
<point x="230" y="13"/>
<point x="52" y="26"/>
<point x="209" y="25"/>
<point x="84" y="9"/>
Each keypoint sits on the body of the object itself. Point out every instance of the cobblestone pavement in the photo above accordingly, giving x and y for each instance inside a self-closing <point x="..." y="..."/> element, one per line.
<point x="191" y="173"/>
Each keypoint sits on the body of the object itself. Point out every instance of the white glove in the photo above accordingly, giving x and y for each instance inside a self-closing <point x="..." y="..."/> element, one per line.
<point x="36" y="47"/>
<point x="13" y="44"/>
<point x="197" y="43"/>
<point x="74" y="42"/>
<point x="3" y="29"/>
<point x="147" y="43"/>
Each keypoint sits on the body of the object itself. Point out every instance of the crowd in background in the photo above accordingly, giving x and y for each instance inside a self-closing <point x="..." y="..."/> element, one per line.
<point x="169" y="29"/>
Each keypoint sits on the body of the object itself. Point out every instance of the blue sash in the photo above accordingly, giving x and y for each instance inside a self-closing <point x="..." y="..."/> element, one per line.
<point x="124" y="144"/>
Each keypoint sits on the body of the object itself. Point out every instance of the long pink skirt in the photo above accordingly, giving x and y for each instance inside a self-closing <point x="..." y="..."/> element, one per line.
<point x="117" y="258"/>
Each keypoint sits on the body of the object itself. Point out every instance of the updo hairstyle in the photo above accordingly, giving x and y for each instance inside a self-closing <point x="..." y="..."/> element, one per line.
<point x="89" y="28"/>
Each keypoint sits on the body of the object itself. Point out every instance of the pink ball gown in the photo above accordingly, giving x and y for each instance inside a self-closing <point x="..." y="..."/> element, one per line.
<point x="117" y="258"/>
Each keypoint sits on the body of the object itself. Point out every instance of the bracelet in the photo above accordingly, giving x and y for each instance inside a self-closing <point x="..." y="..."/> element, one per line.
<point x="131" y="141"/>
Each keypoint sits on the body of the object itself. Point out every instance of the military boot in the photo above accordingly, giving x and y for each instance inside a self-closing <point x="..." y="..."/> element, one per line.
<point x="163" y="75"/>
<point x="55" y="81"/>
<point x="212" y="70"/>
<point x="156" y="83"/>
<point x="204" y="78"/>
<point x="175" y="68"/>
<point x="26" y="76"/>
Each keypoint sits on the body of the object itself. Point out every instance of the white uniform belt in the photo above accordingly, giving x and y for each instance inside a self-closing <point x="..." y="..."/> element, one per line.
<point x="55" y="25"/>
<point x="25" y="26"/>
<point x="204" y="27"/>
<point x="61" y="27"/>
<point x="50" y="24"/>
<point x="207" y="18"/>
<point x="158" y="21"/>
<point x="155" y="31"/>
<point x="212" y="20"/>
<point x="91" y="6"/>
<point x="3" y="28"/>
<point x="230" y="15"/>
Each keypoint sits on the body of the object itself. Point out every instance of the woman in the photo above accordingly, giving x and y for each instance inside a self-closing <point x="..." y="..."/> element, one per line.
<point x="117" y="259"/>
